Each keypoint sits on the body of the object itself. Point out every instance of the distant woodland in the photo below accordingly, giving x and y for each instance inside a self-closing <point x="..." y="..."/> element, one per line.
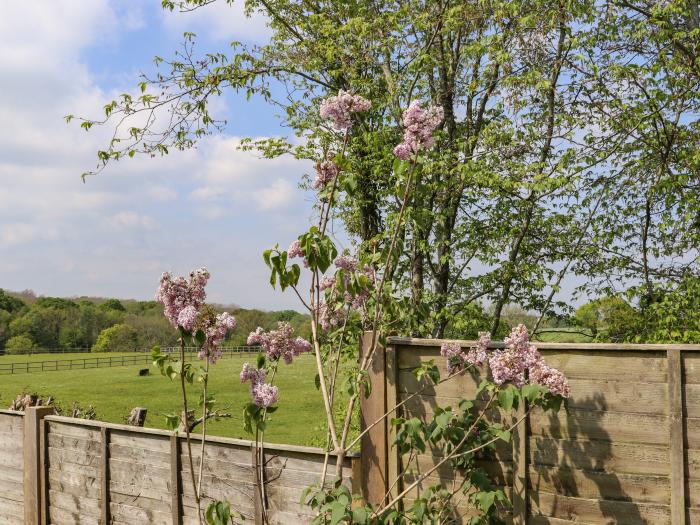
<point x="29" y="322"/>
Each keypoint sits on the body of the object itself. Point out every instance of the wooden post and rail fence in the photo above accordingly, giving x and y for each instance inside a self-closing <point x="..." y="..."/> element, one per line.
<point x="626" y="452"/>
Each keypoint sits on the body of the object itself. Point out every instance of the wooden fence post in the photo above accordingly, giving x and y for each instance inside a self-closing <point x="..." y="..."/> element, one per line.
<point x="175" y="480"/>
<point x="676" y="444"/>
<point x="33" y="463"/>
<point x="520" y="466"/>
<point x="374" y="443"/>
<point x="104" y="471"/>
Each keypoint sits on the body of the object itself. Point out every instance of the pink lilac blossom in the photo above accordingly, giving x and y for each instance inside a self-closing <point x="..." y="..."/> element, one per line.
<point x="280" y="343"/>
<point x="419" y="124"/>
<point x="255" y="375"/>
<point x="187" y="318"/>
<point x="506" y="365"/>
<point x="551" y="378"/>
<point x="455" y="358"/>
<point x="326" y="171"/>
<point x="216" y="333"/>
<point x="517" y="363"/>
<point x="347" y="263"/>
<point x="327" y="283"/>
<point x="179" y="293"/>
<point x="479" y="356"/>
<point x="295" y="250"/>
<point x="339" y="109"/>
<point x="330" y="317"/>
<point x="264" y="395"/>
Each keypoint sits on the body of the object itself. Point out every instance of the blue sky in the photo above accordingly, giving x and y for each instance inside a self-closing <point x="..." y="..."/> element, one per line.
<point x="114" y="235"/>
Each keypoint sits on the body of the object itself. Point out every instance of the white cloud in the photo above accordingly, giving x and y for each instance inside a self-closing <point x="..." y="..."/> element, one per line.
<point x="20" y="233"/>
<point x="278" y="195"/>
<point x="220" y="21"/>
<point x="161" y="193"/>
<point x="116" y="233"/>
<point x="237" y="178"/>
<point x="130" y="219"/>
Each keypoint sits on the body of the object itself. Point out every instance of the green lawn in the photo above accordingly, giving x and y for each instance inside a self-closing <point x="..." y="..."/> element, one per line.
<point x="563" y="335"/>
<point x="115" y="391"/>
<point x="23" y="358"/>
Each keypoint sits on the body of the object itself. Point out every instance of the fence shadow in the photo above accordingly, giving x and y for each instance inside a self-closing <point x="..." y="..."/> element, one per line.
<point x="581" y="458"/>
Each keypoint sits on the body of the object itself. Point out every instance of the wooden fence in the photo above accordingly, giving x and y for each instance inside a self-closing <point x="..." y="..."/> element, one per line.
<point x="627" y="452"/>
<point x="62" y="470"/>
<point x="83" y="363"/>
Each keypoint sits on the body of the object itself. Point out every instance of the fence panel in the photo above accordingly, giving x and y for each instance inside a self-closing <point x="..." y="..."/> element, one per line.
<point x="11" y="467"/>
<point x="94" y="473"/>
<point x="626" y="452"/>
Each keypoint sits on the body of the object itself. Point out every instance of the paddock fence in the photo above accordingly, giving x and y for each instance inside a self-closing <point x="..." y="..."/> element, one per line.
<point x="59" y="470"/>
<point x="627" y="451"/>
<point x="83" y="363"/>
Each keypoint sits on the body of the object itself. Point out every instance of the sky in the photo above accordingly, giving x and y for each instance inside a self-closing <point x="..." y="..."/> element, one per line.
<point x="116" y="233"/>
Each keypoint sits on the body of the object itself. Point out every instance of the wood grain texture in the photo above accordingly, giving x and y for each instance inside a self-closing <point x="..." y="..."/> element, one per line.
<point x="675" y="397"/>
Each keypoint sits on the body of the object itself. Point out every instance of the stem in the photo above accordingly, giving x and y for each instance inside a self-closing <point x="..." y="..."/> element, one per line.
<point x="398" y="405"/>
<point x="367" y="359"/>
<point x="186" y="424"/>
<point x="204" y="425"/>
<point x="260" y="453"/>
<point x="315" y="300"/>
<point x="453" y="454"/>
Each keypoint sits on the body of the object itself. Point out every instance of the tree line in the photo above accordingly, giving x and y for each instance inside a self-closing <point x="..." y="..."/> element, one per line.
<point x="30" y="323"/>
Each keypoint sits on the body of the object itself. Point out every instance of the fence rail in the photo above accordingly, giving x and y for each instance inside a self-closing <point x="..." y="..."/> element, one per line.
<point x="26" y="367"/>
<point x="62" y="470"/>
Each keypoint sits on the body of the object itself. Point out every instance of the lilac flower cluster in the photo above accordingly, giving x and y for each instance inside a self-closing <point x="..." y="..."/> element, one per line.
<point x="458" y="361"/>
<point x="326" y="171"/>
<point x="215" y="332"/>
<point x="339" y="109"/>
<point x="419" y="124"/>
<point x="263" y="394"/>
<point x="187" y="318"/>
<point x="280" y="343"/>
<point x="295" y="250"/>
<point x="330" y="317"/>
<point x="179" y="294"/>
<point x="517" y="362"/>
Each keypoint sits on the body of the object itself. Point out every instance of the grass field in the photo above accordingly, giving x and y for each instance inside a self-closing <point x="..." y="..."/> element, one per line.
<point x="115" y="391"/>
<point x="563" y="335"/>
<point x="23" y="358"/>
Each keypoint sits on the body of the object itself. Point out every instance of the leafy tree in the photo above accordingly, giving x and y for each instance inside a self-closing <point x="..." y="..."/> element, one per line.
<point x="9" y="303"/>
<point x="58" y="303"/>
<point x="117" y="338"/>
<point x="609" y="319"/>
<point x="672" y="315"/>
<point x="19" y="344"/>
<point x="567" y="140"/>
<point x="113" y="304"/>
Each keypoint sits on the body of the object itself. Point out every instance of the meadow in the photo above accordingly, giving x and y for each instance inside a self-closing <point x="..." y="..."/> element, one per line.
<point x="113" y="392"/>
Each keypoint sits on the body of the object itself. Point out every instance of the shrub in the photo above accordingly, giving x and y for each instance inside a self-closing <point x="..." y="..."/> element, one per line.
<point x="117" y="338"/>
<point x="19" y="344"/>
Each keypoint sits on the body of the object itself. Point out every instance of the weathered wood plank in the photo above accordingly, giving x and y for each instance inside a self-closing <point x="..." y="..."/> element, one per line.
<point x="644" y="488"/>
<point x="600" y="456"/>
<point x="59" y="516"/>
<point x="677" y="459"/>
<point x="602" y="426"/>
<point x="137" y="515"/>
<point x="599" y="512"/>
<point x="375" y="453"/>
<point x="175" y="481"/>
